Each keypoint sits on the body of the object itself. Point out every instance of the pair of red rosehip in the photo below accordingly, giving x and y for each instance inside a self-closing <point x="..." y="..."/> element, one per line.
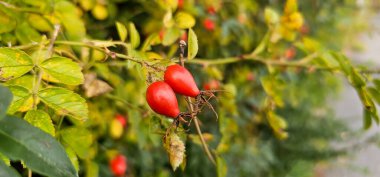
<point x="160" y="95"/>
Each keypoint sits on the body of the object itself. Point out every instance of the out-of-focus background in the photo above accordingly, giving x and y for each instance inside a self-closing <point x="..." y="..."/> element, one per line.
<point x="365" y="160"/>
<point x="295" y="85"/>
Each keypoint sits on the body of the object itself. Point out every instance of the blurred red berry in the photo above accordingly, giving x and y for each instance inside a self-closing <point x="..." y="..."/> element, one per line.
<point x="250" y="76"/>
<point x="118" y="165"/>
<point x="184" y="36"/>
<point x="304" y="29"/>
<point x="121" y="119"/>
<point x="290" y="53"/>
<point x="180" y="4"/>
<point x="209" y="24"/>
<point x="211" y="10"/>
<point x="211" y="85"/>
<point x="161" y="34"/>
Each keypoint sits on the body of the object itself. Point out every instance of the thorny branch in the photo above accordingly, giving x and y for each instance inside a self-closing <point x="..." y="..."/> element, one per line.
<point x="191" y="107"/>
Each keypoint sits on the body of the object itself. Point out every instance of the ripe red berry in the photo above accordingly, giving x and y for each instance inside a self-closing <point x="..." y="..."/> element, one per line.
<point x="250" y="76"/>
<point x="180" y="4"/>
<point x="212" y="85"/>
<point x="290" y="53"/>
<point x="161" y="98"/>
<point x="181" y="80"/>
<point x="209" y="24"/>
<point x="161" y="34"/>
<point x="184" y="36"/>
<point x="121" y="119"/>
<point x="211" y="10"/>
<point x="118" y="165"/>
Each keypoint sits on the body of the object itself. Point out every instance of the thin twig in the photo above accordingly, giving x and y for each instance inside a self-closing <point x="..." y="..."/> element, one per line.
<point x="190" y="105"/>
<point x="40" y="72"/>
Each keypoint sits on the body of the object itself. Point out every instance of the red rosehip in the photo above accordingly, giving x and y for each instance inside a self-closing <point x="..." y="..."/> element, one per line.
<point x="181" y="80"/>
<point x="161" y="98"/>
<point x="209" y="24"/>
<point x="118" y="165"/>
<point x="290" y="53"/>
<point x="180" y="4"/>
<point x="250" y="76"/>
<point x="212" y="85"/>
<point x="121" y="119"/>
<point x="184" y="36"/>
<point x="161" y="34"/>
<point x="211" y="10"/>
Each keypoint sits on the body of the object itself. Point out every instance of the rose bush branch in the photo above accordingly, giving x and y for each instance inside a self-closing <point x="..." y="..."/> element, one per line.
<point x="191" y="107"/>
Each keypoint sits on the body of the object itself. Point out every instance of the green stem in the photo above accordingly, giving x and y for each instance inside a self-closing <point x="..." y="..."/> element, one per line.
<point x="194" y="117"/>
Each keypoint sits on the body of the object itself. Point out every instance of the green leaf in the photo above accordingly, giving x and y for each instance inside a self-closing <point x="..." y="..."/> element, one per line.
<point x="263" y="44"/>
<point x="192" y="49"/>
<point x="40" y="119"/>
<point x="171" y="35"/>
<point x="278" y="124"/>
<point x="22" y="99"/>
<point x="73" y="157"/>
<point x="62" y="70"/>
<point x="345" y="65"/>
<point x="8" y="24"/>
<point x="122" y="30"/>
<point x="79" y="139"/>
<point x="7" y="171"/>
<point x="26" y="34"/>
<point x="6" y="160"/>
<point x="221" y="166"/>
<point x="271" y="16"/>
<point x="39" y="150"/>
<point x="134" y="35"/>
<point x="92" y="169"/>
<point x="377" y="83"/>
<point x="5" y="100"/>
<point x="375" y="94"/>
<point x="65" y="102"/>
<point x="39" y="23"/>
<point x="184" y="20"/>
<point x="24" y="81"/>
<point x="367" y="120"/>
<point x="14" y="63"/>
<point x="73" y="25"/>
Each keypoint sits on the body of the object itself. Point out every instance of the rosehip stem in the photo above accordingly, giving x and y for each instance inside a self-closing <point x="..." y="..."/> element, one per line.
<point x="182" y="45"/>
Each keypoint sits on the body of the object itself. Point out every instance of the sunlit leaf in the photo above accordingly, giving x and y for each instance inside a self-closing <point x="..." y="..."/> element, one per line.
<point x="184" y="20"/>
<point x="122" y="31"/>
<point x="79" y="139"/>
<point x="134" y="35"/>
<point x="65" y="102"/>
<point x="8" y="22"/>
<point x="271" y="16"/>
<point x="62" y="70"/>
<point x="14" y="63"/>
<point x="171" y="36"/>
<point x="40" y="119"/>
<point x="22" y="99"/>
<point x="73" y="157"/>
<point x="192" y="49"/>
<point x="221" y="166"/>
<point x="6" y="160"/>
